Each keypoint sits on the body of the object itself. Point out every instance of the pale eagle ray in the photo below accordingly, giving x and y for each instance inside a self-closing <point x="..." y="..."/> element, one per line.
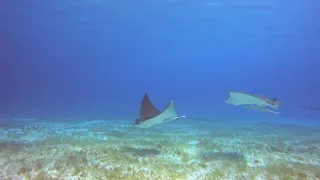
<point x="252" y="101"/>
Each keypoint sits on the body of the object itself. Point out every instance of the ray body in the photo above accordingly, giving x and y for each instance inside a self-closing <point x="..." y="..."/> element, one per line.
<point x="243" y="99"/>
<point x="261" y="109"/>
<point x="150" y="116"/>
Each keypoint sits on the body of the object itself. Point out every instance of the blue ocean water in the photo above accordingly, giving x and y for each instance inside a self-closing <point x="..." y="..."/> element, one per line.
<point x="66" y="61"/>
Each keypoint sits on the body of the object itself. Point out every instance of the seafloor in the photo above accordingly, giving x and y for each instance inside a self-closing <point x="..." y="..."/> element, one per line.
<point x="179" y="150"/>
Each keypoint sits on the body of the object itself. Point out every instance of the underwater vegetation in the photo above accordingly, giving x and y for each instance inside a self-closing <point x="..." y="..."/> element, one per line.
<point x="142" y="152"/>
<point x="222" y="156"/>
<point x="106" y="150"/>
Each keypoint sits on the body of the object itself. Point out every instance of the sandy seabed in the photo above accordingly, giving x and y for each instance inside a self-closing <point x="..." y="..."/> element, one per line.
<point x="195" y="151"/>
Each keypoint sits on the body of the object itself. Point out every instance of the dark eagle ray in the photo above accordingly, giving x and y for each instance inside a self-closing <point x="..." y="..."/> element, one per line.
<point x="150" y="116"/>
